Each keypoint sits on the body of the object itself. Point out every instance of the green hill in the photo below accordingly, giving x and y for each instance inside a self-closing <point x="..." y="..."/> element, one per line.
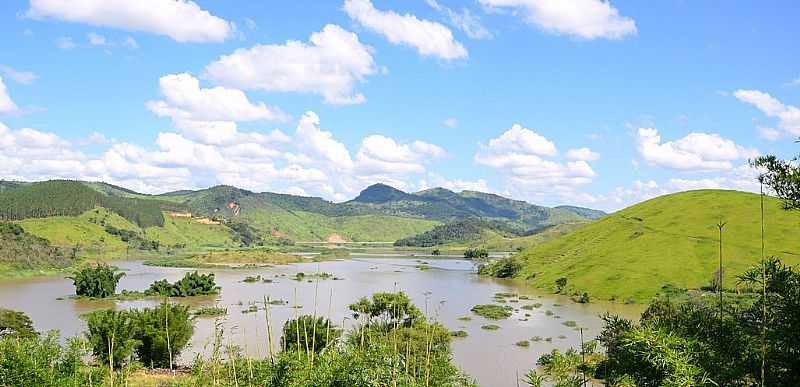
<point x="20" y="250"/>
<point x="672" y="239"/>
<point x="447" y="206"/>
<point x="67" y="212"/>
<point x="72" y="198"/>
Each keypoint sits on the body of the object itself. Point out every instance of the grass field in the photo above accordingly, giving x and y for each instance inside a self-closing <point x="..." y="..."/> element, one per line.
<point x="191" y="233"/>
<point x="70" y="231"/>
<point x="309" y="226"/>
<point x="493" y="241"/>
<point x="673" y="239"/>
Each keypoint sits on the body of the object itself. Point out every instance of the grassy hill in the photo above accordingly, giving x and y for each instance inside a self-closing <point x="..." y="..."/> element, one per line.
<point x="671" y="239"/>
<point x="103" y="221"/>
<point x="20" y="250"/>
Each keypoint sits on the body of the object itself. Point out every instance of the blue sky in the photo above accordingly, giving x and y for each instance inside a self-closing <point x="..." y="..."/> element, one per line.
<point x="586" y="102"/>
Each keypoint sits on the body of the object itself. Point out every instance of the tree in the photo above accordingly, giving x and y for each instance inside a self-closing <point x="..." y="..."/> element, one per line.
<point x="111" y="334"/>
<point x="162" y="333"/>
<point x="16" y="324"/>
<point x="311" y="333"/>
<point x="192" y="284"/>
<point x="391" y="308"/>
<point x="117" y="337"/>
<point x="783" y="177"/>
<point x="99" y="281"/>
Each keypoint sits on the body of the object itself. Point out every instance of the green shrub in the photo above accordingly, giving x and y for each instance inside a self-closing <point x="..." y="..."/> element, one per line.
<point x="151" y="327"/>
<point x="503" y="268"/>
<point x="96" y="281"/>
<point x="192" y="284"/>
<point x="477" y="253"/>
<point x="111" y="334"/>
<point x="15" y="324"/>
<point x="139" y="334"/>
<point x="43" y="361"/>
<point x="560" y="284"/>
<point x="390" y="308"/>
<point x="306" y="331"/>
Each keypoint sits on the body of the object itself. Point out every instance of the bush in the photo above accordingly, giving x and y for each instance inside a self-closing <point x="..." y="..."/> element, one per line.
<point x="192" y="284"/>
<point x="143" y="333"/>
<point x="111" y="334"/>
<point x="42" y="361"/>
<point x="503" y="268"/>
<point x="151" y="333"/>
<point x="390" y="308"/>
<point x="315" y="334"/>
<point x="478" y="253"/>
<point x="560" y="284"/>
<point x="15" y="324"/>
<point x="97" y="282"/>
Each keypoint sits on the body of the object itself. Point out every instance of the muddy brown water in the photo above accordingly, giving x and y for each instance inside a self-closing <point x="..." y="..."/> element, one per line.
<point x="448" y="290"/>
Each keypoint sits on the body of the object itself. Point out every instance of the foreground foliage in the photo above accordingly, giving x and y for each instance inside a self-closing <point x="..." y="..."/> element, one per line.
<point x="396" y="347"/>
<point x="42" y="361"/>
<point x="699" y="343"/>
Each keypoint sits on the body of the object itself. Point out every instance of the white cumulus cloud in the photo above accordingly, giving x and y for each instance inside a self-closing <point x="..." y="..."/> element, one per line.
<point x="587" y="19"/>
<point x="181" y="20"/>
<point x="185" y="99"/>
<point x="695" y="151"/>
<point x="427" y="37"/>
<point x="331" y="65"/>
<point x="788" y="116"/>
<point x="529" y="161"/>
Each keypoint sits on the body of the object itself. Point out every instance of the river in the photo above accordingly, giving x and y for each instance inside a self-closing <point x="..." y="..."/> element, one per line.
<point x="446" y="291"/>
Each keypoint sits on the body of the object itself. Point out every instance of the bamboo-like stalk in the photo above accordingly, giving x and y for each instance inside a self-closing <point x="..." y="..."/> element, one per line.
<point x="408" y="355"/>
<point x="233" y="362"/>
<point x="720" y="226"/>
<point x="764" y="293"/>
<point x="269" y="329"/>
<point x="249" y="358"/>
<point x="297" y="324"/>
<point x="111" y="354"/>
<point x="305" y="336"/>
<point x="427" y="354"/>
<point x="328" y="324"/>
<point x="314" y="321"/>
<point x="166" y="327"/>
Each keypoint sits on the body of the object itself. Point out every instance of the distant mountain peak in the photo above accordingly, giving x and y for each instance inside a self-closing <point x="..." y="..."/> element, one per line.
<point x="381" y="193"/>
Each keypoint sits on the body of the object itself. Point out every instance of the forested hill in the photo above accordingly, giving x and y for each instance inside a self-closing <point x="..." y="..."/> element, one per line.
<point x="72" y="198"/>
<point x="447" y="206"/>
<point x="379" y="213"/>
